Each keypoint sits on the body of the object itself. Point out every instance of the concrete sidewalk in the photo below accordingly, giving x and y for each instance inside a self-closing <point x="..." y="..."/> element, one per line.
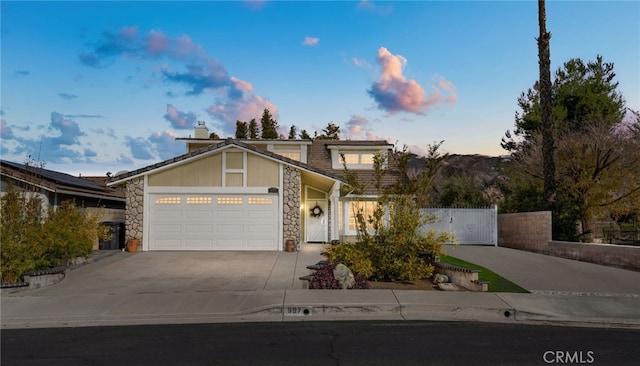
<point x="84" y="299"/>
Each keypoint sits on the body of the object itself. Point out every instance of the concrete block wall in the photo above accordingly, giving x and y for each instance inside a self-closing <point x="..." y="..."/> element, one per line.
<point x="525" y="230"/>
<point x="531" y="231"/>
<point x="621" y="256"/>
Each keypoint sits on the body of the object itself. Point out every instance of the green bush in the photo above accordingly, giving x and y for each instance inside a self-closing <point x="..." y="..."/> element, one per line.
<point x="392" y="244"/>
<point x="34" y="241"/>
<point x="70" y="232"/>
<point x="352" y="256"/>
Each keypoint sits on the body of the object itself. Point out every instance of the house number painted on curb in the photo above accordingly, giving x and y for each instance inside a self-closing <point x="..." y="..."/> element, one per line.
<point x="297" y="310"/>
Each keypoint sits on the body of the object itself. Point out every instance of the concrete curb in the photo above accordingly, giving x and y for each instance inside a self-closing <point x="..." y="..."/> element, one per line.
<point x="319" y="305"/>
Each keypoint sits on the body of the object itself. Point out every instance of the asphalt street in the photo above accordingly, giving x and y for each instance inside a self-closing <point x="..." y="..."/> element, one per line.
<point x="322" y="343"/>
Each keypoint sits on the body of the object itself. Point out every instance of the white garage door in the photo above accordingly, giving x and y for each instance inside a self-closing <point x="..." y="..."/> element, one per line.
<point x="213" y="222"/>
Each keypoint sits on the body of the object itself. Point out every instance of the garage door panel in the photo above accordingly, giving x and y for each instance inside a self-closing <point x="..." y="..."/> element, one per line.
<point x="265" y="228"/>
<point x="168" y="228"/>
<point x="199" y="214"/>
<point x="229" y="228"/>
<point x="195" y="228"/>
<point x="230" y="214"/>
<point x="213" y="222"/>
<point x="253" y="214"/>
<point x="230" y="243"/>
<point x="163" y="214"/>
<point x="198" y="244"/>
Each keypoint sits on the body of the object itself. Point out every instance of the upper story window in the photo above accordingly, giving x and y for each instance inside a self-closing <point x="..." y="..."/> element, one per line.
<point x="294" y="151"/>
<point x="295" y="155"/>
<point x="358" y="160"/>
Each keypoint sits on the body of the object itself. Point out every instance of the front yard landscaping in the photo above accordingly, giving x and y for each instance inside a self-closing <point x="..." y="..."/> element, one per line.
<point x="497" y="283"/>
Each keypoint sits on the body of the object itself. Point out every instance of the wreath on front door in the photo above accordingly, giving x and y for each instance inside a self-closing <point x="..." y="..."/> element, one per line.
<point x="316" y="211"/>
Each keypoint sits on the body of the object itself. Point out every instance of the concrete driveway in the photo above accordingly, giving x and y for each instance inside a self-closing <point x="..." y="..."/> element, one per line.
<point x="541" y="273"/>
<point x="174" y="272"/>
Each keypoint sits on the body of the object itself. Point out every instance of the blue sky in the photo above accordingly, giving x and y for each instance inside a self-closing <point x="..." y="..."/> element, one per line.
<point x="92" y="87"/>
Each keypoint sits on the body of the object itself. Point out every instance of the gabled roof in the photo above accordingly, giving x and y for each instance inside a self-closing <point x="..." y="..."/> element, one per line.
<point x="320" y="156"/>
<point x="57" y="181"/>
<point x="218" y="147"/>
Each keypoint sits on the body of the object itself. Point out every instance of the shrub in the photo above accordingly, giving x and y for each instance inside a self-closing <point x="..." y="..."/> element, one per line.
<point x="34" y="241"/>
<point x="70" y="232"/>
<point x="352" y="256"/>
<point x="392" y="244"/>
<point x="323" y="279"/>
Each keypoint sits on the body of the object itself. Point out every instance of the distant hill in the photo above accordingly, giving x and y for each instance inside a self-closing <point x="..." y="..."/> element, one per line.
<point x="483" y="169"/>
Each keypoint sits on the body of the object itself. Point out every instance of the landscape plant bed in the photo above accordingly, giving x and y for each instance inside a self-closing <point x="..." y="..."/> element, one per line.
<point x="497" y="283"/>
<point x="423" y="285"/>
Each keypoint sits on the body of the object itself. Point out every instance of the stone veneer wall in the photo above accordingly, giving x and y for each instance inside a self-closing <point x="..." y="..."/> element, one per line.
<point x="292" y="190"/>
<point x="134" y="208"/>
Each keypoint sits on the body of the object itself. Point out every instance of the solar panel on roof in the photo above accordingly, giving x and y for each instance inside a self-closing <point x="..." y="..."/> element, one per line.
<point x="58" y="177"/>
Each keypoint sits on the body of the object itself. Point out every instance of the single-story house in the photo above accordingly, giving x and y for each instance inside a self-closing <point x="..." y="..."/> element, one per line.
<point x="247" y="194"/>
<point x="54" y="187"/>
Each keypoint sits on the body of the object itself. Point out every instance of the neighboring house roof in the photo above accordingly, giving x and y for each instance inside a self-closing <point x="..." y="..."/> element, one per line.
<point x="59" y="182"/>
<point x="216" y="147"/>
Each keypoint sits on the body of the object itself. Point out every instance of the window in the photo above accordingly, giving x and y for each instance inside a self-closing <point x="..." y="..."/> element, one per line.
<point x="366" y="207"/>
<point x="260" y="201"/>
<point x="291" y="155"/>
<point x="199" y="200"/>
<point x="168" y="201"/>
<point x="354" y="159"/>
<point x="229" y="200"/>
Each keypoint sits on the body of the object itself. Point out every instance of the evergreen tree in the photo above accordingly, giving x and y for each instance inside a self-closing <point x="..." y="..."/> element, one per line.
<point x="304" y="135"/>
<point x="242" y="130"/>
<point x="293" y="131"/>
<point x="331" y="132"/>
<point x="580" y="93"/>
<point x="254" y="131"/>
<point x="269" y="125"/>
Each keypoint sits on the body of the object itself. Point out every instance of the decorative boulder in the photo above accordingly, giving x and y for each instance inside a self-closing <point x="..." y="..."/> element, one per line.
<point x="440" y="278"/>
<point x="344" y="275"/>
<point x="448" y="287"/>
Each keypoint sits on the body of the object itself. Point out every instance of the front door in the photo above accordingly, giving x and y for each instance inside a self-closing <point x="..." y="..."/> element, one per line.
<point x="317" y="220"/>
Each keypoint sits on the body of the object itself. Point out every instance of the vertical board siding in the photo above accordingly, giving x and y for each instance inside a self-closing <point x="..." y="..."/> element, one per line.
<point x="477" y="226"/>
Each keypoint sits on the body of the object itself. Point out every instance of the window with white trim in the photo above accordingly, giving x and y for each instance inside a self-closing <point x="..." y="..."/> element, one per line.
<point x="354" y="159"/>
<point x="366" y="207"/>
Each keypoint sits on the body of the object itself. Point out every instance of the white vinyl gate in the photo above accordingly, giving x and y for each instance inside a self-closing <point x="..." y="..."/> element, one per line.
<point x="468" y="225"/>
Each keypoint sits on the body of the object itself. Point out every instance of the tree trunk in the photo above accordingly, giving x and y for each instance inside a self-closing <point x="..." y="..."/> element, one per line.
<point x="548" y="166"/>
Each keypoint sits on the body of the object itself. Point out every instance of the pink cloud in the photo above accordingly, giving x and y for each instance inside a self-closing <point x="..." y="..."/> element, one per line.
<point x="245" y="109"/>
<point x="178" y="119"/>
<point x="394" y="93"/>
<point x="157" y="42"/>
<point x="241" y="84"/>
<point x="357" y="128"/>
<point x="310" y="41"/>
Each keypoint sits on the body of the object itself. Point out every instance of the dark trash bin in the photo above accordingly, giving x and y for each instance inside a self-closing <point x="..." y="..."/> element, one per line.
<point x="116" y="241"/>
